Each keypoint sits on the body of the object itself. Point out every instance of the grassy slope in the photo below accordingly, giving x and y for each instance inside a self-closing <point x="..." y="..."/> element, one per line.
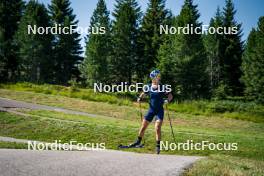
<point x="231" y="109"/>
<point x="12" y="145"/>
<point x="185" y="122"/>
<point x="226" y="165"/>
<point x="49" y="126"/>
<point x="122" y="126"/>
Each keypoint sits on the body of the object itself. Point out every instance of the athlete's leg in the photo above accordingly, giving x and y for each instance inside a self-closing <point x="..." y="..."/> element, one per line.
<point x="158" y="125"/>
<point x="147" y="119"/>
<point x="143" y="128"/>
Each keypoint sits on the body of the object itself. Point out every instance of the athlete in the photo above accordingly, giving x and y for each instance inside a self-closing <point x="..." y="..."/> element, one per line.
<point x="156" y="94"/>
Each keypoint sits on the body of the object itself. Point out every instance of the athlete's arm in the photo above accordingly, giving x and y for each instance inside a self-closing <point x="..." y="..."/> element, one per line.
<point x="142" y="95"/>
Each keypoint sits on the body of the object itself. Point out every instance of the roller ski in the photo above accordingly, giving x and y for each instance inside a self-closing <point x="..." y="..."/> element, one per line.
<point x="136" y="144"/>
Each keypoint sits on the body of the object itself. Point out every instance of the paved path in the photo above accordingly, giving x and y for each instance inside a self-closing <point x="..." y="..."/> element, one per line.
<point x="8" y="103"/>
<point x="15" y="162"/>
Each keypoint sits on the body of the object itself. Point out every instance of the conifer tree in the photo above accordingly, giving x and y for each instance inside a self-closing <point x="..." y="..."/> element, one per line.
<point x="35" y="58"/>
<point x="233" y="49"/>
<point x="125" y="36"/>
<point x="10" y="14"/>
<point x="67" y="48"/>
<point x="185" y="57"/>
<point x="150" y="38"/>
<point x="98" y="46"/>
<point x="214" y="49"/>
<point x="253" y="63"/>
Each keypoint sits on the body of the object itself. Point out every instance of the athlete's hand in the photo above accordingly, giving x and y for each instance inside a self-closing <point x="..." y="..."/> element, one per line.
<point x="166" y="101"/>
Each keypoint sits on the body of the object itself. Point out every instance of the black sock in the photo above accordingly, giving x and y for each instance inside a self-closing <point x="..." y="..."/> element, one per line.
<point x="138" y="141"/>
<point x="158" y="143"/>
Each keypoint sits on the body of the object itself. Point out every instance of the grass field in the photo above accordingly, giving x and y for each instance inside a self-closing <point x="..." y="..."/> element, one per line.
<point x="226" y="165"/>
<point x="118" y="123"/>
<point x="12" y="145"/>
<point x="240" y="109"/>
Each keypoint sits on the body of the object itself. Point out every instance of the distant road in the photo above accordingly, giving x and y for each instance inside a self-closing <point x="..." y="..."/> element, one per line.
<point x="8" y="103"/>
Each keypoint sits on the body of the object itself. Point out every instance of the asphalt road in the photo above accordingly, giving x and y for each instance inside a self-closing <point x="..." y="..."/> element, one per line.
<point x="9" y="104"/>
<point x="15" y="162"/>
<point x="91" y="163"/>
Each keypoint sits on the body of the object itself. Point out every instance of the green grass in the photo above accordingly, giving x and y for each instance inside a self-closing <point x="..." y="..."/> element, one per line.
<point x="226" y="165"/>
<point x="12" y="145"/>
<point x="84" y="94"/>
<point x="49" y="126"/>
<point x="101" y="108"/>
<point x="183" y="121"/>
<point x="248" y="111"/>
<point x="118" y="122"/>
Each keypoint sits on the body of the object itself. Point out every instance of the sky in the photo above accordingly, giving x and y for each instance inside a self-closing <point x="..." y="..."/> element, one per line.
<point x="248" y="11"/>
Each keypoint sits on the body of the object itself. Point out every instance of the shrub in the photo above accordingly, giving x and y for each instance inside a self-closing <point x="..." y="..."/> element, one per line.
<point x="221" y="92"/>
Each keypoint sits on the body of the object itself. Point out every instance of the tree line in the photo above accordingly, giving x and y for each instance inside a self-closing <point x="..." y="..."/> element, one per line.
<point x="35" y="57"/>
<point x="197" y="66"/>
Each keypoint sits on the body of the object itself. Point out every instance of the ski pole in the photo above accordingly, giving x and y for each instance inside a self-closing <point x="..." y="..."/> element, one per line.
<point x="141" y="117"/>
<point x="140" y="111"/>
<point x="170" y="122"/>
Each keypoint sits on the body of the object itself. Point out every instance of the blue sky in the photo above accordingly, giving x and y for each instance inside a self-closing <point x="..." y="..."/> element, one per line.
<point x="248" y="11"/>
